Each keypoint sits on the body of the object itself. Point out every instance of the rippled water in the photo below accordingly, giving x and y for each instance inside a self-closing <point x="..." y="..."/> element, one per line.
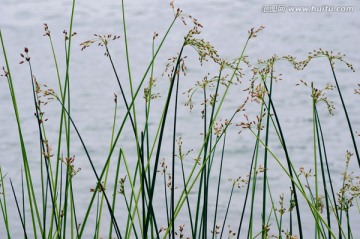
<point x="225" y="26"/>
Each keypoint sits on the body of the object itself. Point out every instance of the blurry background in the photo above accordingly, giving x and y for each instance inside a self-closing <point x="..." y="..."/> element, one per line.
<point x="225" y="25"/>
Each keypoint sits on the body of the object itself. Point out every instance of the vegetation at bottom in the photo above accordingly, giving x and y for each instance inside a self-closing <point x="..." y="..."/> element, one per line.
<point x="185" y="193"/>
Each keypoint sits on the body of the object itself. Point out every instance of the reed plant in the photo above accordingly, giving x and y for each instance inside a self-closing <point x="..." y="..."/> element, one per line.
<point x="195" y="192"/>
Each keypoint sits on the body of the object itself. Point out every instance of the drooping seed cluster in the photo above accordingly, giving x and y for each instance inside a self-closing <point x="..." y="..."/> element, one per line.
<point x="357" y="91"/>
<point x="253" y="32"/>
<point x="148" y="91"/>
<point x="69" y="162"/>
<point x="122" y="186"/>
<point x="181" y="155"/>
<point x="46" y="29"/>
<point x="25" y="56"/>
<point x="350" y="191"/>
<point x="101" y="40"/>
<point x="66" y="37"/>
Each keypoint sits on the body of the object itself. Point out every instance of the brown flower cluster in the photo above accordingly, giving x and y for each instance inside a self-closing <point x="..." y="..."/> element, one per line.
<point x="25" y="56"/>
<point x="101" y="40"/>
<point x="122" y="186"/>
<point x="319" y="95"/>
<point x="69" y="162"/>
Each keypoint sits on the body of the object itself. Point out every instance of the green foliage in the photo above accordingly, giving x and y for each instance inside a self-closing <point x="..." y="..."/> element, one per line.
<point x="54" y="212"/>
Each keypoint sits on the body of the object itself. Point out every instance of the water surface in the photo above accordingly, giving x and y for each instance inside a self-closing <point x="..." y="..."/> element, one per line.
<point x="225" y="26"/>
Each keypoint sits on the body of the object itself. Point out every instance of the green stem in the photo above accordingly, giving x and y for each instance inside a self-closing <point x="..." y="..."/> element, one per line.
<point x="345" y="111"/>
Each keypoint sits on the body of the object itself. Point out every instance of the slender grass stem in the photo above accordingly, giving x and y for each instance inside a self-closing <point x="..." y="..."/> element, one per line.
<point x="148" y="216"/>
<point x="218" y="186"/>
<point x="227" y="210"/>
<point x="173" y="159"/>
<point x="18" y="208"/>
<point x="345" y="111"/>
<point x="3" y="205"/>
<point x="127" y="113"/>
<point x="187" y="200"/>
<point x="318" y="136"/>
<point x="114" y="191"/>
<point x="328" y="173"/>
<point x="266" y="153"/>
<point x="317" y="227"/>
<point x="288" y="162"/>
<point x="166" y="200"/>
<point x="43" y="140"/>
<point x="254" y="178"/>
<point x="128" y="63"/>
<point x="298" y="185"/>
<point x="30" y="189"/>
<point x="49" y="207"/>
<point x="94" y="171"/>
<point x="108" y="166"/>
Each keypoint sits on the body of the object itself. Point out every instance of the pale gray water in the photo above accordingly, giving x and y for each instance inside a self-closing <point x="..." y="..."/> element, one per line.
<point x="225" y="26"/>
